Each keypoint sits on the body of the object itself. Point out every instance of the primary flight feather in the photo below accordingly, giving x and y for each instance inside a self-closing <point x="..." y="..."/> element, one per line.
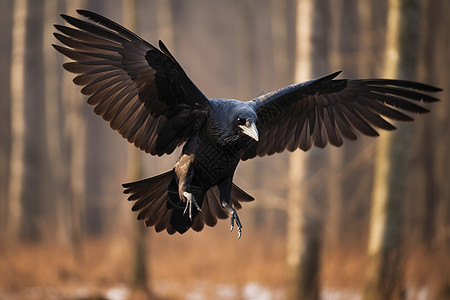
<point x="146" y="96"/>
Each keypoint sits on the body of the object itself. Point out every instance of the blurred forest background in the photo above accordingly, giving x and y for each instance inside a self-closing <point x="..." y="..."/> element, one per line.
<point x="66" y="229"/>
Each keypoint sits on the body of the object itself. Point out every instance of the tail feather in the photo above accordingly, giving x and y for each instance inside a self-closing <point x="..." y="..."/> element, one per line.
<point x="178" y="219"/>
<point x="208" y="215"/>
<point x="151" y="200"/>
<point x="152" y="208"/>
<point x="238" y="195"/>
<point x="159" y="205"/>
<point x="163" y="223"/>
<point x="145" y="200"/>
<point x="198" y="223"/>
<point x="157" y="213"/>
<point x="213" y="197"/>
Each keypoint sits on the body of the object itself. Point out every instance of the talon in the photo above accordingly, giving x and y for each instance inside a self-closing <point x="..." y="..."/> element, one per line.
<point x="190" y="199"/>
<point x="232" y="221"/>
<point x="234" y="218"/>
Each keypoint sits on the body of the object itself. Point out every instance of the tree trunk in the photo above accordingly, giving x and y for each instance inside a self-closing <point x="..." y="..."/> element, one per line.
<point x="302" y="239"/>
<point x="297" y="234"/>
<point x="428" y="157"/>
<point x="334" y="198"/>
<point x="5" y="111"/>
<point x="384" y="275"/>
<point x="36" y="159"/>
<point x="165" y="23"/>
<point x="140" y="251"/>
<point x="56" y="204"/>
<point x="16" y="167"/>
<point x="27" y="172"/>
<point x="304" y="225"/>
<point x="280" y="41"/>
<point x="282" y="58"/>
<point x="441" y="243"/>
<point x="248" y="79"/>
<point x="366" y="38"/>
<point x="76" y="128"/>
<point x="335" y="156"/>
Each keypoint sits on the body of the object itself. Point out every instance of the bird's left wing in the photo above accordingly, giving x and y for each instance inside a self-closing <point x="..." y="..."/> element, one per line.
<point x="328" y="110"/>
<point x="140" y="90"/>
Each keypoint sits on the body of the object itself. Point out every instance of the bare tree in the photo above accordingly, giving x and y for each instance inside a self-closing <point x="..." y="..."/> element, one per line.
<point x="366" y="57"/>
<point x="384" y="275"/>
<point x="56" y="203"/>
<point x="442" y="167"/>
<point x="27" y="175"/>
<point x="140" y="251"/>
<point x="335" y="156"/>
<point x="304" y="223"/>
<point x="165" y="23"/>
<point x="434" y="163"/>
<point x="16" y="167"/>
<point x="35" y="184"/>
<point x="279" y="26"/>
<point x="430" y="158"/>
<point x="5" y="111"/>
<point x="282" y="56"/>
<point x="248" y="80"/>
<point x="76" y="130"/>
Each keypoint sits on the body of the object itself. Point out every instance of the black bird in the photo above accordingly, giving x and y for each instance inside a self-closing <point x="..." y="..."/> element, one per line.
<point x="145" y="95"/>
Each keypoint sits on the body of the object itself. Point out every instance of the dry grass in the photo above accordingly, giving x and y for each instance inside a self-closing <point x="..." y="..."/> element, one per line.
<point x="217" y="256"/>
<point x="177" y="265"/>
<point x="214" y="256"/>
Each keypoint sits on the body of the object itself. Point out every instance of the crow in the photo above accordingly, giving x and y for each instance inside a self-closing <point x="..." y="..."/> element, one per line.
<point x="146" y="96"/>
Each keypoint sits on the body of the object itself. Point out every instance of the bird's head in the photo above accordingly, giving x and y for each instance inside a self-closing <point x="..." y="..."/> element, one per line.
<point x="232" y="120"/>
<point x="246" y="124"/>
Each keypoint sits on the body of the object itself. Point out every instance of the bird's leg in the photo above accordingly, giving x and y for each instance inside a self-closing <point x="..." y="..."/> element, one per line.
<point x="225" y="195"/>
<point x="185" y="173"/>
<point x="190" y="200"/>
<point x="234" y="217"/>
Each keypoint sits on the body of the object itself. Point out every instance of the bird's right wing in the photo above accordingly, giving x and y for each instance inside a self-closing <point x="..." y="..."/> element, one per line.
<point x="141" y="91"/>
<point x="327" y="110"/>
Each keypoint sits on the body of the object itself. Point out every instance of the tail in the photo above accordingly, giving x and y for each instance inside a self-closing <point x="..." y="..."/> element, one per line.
<point x="159" y="205"/>
<point x="150" y="196"/>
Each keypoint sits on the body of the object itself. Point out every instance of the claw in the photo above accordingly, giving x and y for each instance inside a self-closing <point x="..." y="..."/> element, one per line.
<point x="190" y="199"/>
<point x="234" y="218"/>
<point x="232" y="221"/>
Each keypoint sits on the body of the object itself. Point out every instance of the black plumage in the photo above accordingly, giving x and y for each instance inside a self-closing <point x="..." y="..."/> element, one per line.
<point x="147" y="97"/>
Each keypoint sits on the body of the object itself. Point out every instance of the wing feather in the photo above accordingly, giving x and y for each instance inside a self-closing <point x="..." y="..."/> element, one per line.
<point x="141" y="91"/>
<point x="327" y="110"/>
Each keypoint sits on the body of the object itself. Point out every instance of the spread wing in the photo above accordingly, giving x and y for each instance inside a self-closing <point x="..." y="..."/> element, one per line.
<point x="328" y="110"/>
<point x="140" y="90"/>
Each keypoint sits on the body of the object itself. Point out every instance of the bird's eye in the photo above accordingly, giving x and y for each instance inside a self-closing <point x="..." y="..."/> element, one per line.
<point x="241" y="121"/>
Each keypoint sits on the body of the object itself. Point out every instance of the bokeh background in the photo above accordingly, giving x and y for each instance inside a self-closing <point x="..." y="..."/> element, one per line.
<point x="66" y="229"/>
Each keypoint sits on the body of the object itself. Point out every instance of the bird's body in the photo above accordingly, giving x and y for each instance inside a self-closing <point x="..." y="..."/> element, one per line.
<point x="147" y="97"/>
<point x="209" y="159"/>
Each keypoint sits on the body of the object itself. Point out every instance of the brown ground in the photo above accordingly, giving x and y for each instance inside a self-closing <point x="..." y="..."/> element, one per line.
<point x="177" y="264"/>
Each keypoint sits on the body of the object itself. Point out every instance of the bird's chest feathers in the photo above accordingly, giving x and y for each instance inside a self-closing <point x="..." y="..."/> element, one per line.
<point x="211" y="162"/>
<point x="216" y="162"/>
